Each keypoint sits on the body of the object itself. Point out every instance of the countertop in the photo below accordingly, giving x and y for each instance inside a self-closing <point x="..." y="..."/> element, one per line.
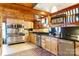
<point x="50" y="35"/>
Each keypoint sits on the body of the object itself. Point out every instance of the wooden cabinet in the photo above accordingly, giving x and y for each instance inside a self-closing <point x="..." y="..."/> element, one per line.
<point x="47" y="43"/>
<point x="53" y="45"/>
<point x="66" y="47"/>
<point x="43" y="42"/>
<point x="77" y="48"/>
<point x="33" y="38"/>
<point x="66" y="17"/>
<point x="50" y="44"/>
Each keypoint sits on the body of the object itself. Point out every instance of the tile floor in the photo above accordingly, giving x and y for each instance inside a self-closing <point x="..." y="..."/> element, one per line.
<point x="33" y="52"/>
<point x="10" y="49"/>
<point x="24" y="49"/>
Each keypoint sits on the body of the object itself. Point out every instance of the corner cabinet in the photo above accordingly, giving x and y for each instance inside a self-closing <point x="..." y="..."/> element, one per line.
<point x="33" y="38"/>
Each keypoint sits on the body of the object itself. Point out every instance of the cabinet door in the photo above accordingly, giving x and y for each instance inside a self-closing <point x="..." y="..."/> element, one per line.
<point x="47" y="43"/>
<point x="66" y="48"/>
<point x="33" y="39"/>
<point x="43" y="44"/>
<point x="53" y="46"/>
<point x="77" y="48"/>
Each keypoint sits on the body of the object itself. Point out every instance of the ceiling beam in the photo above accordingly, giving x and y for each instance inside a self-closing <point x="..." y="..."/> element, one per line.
<point x="23" y="8"/>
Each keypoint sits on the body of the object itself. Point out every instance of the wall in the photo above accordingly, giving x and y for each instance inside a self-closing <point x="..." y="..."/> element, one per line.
<point x="0" y="30"/>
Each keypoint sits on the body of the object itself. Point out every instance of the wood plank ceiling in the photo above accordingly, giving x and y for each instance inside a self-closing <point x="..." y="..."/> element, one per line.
<point x="25" y="8"/>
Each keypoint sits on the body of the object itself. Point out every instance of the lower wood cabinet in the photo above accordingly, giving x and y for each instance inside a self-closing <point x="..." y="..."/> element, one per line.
<point x="33" y="38"/>
<point x="50" y="44"/>
<point x="77" y="48"/>
<point x="53" y="45"/>
<point x="43" y="42"/>
<point x="66" y="47"/>
<point x="47" y="40"/>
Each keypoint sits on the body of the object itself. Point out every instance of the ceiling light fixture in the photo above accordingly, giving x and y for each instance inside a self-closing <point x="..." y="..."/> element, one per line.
<point x="43" y="13"/>
<point x="54" y="9"/>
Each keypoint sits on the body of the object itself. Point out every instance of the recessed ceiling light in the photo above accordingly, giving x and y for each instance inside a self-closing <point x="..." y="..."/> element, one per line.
<point x="38" y="19"/>
<point x="54" y="9"/>
<point x="43" y="13"/>
<point x="42" y="16"/>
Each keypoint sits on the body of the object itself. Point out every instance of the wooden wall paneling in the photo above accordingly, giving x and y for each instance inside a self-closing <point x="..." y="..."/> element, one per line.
<point x="0" y="29"/>
<point x="27" y="4"/>
<point x="11" y="13"/>
<point x="23" y="8"/>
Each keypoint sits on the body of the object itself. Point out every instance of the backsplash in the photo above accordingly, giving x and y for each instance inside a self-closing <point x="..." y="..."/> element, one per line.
<point x="70" y="30"/>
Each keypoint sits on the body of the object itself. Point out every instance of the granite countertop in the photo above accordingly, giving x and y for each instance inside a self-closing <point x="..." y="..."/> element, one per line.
<point x="47" y="34"/>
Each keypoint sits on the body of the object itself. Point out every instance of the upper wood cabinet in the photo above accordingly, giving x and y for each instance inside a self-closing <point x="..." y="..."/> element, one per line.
<point x="67" y="16"/>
